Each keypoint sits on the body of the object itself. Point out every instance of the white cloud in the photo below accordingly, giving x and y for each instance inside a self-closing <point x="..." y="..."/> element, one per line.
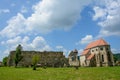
<point x="38" y="44"/>
<point x="48" y="15"/>
<point x="16" y="26"/>
<point x="87" y="39"/>
<point x="108" y="17"/>
<point x="115" y="50"/>
<point x="4" y="11"/>
<point x="14" y="41"/>
<point x="99" y="12"/>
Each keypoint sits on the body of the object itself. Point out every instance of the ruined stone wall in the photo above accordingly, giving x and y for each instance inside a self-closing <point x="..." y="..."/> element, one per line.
<point x="47" y="58"/>
<point x="74" y="59"/>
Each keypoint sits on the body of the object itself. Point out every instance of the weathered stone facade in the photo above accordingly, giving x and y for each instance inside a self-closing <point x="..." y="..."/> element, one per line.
<point x="47" y="58"/>
<point x="97" y="53"/>
<point x="74" y="58"/>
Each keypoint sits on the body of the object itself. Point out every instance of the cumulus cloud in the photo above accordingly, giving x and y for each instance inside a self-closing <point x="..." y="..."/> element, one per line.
<point x="98" y="13"/>
<point x="108" y="17"/>
<point x="48" y="15"/>
<point x="115" y="50"/>
<point x="16" y="26"/>
<point x="87" y="39"/>
<point x="38" y="44"/>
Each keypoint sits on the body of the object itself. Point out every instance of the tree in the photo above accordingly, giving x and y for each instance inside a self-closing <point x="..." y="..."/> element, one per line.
<point x="18" y="56"/>
<point x="35" y="60"/>
<point x="115" y="58"/>
<point x="5" y="61"/>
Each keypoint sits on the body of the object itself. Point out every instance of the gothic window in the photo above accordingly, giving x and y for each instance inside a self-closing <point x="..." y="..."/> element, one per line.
<point x="109" y="57"/>
<point x="73" y="58"/>
<point x="102" y="58"/>
<point x="78" y="57"/>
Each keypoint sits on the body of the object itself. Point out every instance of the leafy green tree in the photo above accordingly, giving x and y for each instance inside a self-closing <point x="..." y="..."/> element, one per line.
<point x="115" y="58"/>
<point x="18" y="55"/>
<point x="5" y="59"/>
<point x="35" y="60"/>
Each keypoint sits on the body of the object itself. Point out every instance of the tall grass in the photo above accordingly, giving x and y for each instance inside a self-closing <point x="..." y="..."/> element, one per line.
<point x="93" y="73"/>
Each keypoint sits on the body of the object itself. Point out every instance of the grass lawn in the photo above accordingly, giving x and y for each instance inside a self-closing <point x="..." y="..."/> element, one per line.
<point x="91" y="73"/>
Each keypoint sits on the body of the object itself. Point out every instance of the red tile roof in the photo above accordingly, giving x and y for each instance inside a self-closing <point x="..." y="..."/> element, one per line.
<point x="85" y="51"/>
<point x="90" y="57"/>
<point x="96" y="43"/>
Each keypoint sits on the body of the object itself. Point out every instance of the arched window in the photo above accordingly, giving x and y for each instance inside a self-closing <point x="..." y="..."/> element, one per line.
<point x="109" y="57"/>
<point x="102" y="58"/>
<point x="73" y="58"/>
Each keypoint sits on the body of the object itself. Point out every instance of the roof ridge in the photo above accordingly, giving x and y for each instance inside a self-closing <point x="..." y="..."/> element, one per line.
<point x="98" y="42"/>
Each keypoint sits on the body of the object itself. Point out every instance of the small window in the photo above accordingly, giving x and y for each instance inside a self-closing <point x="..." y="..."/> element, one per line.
<point x="96" y="49"/>
<point x="92" y="50"/>
<point x="73" y="58"/>
<point x="107" y="49"/>
<point x="101" y="48"/>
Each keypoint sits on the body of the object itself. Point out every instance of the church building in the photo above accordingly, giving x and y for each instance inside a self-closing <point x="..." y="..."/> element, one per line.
<point x="97" y="53"/>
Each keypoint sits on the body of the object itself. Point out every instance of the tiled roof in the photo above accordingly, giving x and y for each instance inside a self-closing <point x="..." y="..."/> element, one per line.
<point x="85" y="51"/>
<point x="96" y="43"/>
<point x="90" y="57"/>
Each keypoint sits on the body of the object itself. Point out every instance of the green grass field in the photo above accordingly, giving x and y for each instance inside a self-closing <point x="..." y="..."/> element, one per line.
<point x="91" y="73"/>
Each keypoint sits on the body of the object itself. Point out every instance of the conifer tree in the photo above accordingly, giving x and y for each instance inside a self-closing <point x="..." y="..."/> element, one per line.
<point x="18" y="56"/>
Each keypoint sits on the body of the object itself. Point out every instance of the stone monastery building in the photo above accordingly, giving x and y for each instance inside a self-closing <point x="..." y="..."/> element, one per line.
<point x="97" y="53"/>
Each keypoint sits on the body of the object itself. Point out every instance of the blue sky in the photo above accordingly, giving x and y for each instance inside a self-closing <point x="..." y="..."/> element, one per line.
<point x="58" y="25"/>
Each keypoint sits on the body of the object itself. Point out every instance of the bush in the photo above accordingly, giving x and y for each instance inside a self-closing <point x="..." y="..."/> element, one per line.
<point x="5" y="59"/>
